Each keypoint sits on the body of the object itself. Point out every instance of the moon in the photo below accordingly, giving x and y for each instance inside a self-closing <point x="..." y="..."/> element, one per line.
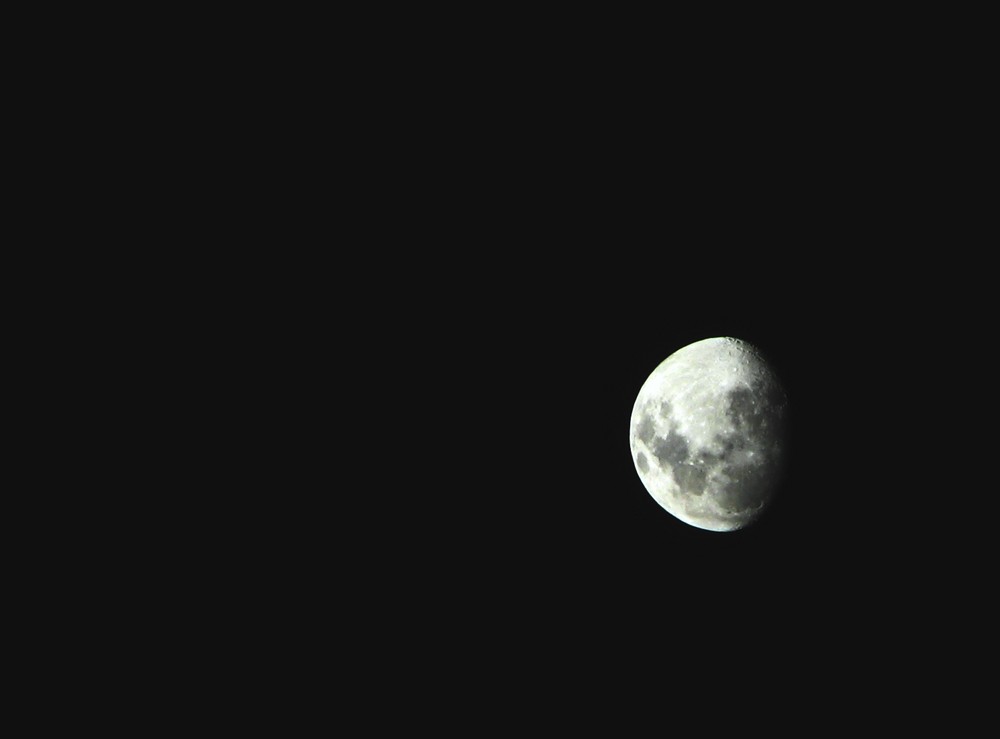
<point x="708" y="434"/>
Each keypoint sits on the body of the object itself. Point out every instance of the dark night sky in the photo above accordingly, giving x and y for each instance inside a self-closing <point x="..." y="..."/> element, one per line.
<point x="446" y="269"/>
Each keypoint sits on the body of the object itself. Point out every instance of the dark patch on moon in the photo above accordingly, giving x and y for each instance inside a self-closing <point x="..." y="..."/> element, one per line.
<point x="640" y="460"/>
<point x="748" y="486"/>
<point x="756" y="418"/>
<point x="671" y="452"/>
<point x="690" y="478"/>
<point x="671" y="449"/>
<point x="729" y="444"/>
<point x="674" y="451"/>
<point x="754" y="414"/>
<point x="645" y="430"/>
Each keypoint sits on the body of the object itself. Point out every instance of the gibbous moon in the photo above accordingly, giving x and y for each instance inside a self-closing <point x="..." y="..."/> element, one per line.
<point x="708" y="434"/>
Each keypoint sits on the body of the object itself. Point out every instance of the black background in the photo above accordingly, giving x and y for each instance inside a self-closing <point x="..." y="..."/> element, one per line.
<point x="408" y="287"/>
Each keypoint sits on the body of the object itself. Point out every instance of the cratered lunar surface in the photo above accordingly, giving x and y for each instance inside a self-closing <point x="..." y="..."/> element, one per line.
<point x="708" y="434"/>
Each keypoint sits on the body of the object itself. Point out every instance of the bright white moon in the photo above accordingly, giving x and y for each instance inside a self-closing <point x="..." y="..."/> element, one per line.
<point x="707" y="434"/>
